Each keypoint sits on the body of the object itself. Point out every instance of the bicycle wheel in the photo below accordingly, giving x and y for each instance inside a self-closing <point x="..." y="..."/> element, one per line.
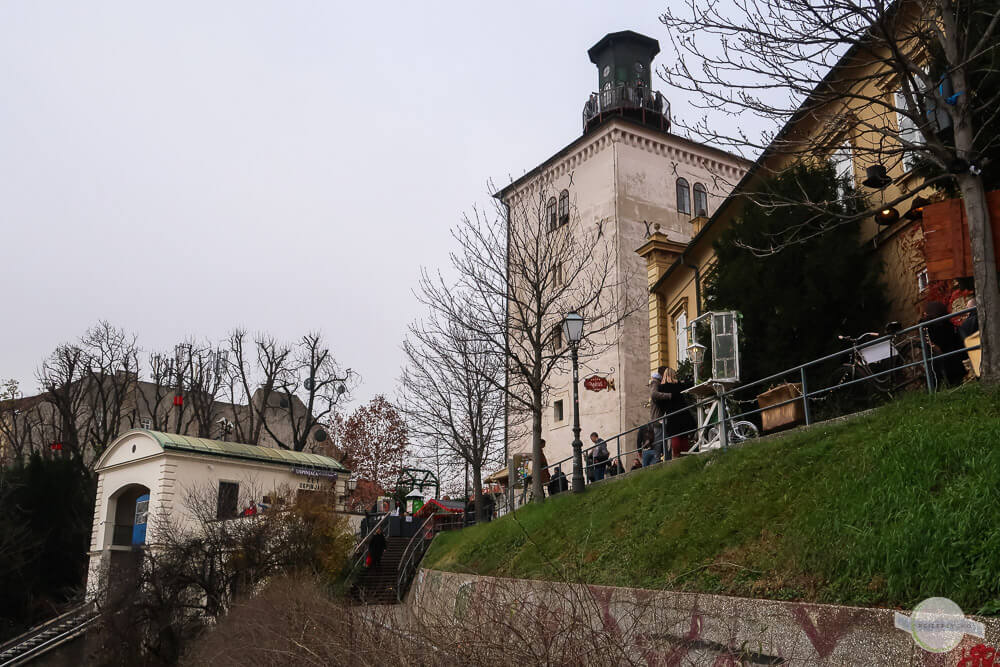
<point x="743" y="430"/>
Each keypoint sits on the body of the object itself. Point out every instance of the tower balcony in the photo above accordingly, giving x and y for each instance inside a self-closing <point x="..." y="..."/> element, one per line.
<point x="636" y="102"/>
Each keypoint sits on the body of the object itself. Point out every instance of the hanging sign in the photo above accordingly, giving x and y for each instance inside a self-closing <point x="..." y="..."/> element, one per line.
<point x="598" y="383"/>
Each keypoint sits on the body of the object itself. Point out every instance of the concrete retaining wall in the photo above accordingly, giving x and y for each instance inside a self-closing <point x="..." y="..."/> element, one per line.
<point x="669" y="628"/>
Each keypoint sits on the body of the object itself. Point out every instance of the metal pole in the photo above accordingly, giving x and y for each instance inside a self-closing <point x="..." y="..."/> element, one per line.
<point x="577" y="445"/>
<point x="923" y="356"/>
<point x="805" y="397"/>
<point x="723" y="436"/>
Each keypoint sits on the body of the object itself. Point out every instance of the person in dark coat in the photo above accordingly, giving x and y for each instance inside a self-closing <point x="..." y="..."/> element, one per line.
<point x="945" y="337"/>
<point x="558" y="483"/>
<point x="376" y="547"/>
<point x="680" y="421"/>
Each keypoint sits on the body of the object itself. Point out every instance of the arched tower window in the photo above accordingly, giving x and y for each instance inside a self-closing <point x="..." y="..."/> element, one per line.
<point x="564" y="207"/>
<point x="683" y="197"/>
<point x="550" y="213"/>
<point x="700" y="200"/>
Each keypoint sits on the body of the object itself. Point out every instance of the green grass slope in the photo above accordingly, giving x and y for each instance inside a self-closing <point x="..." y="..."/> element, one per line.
<point x="883" y="510"/>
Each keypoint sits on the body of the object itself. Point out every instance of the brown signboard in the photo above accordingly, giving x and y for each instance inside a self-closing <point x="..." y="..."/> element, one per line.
<point x="946" y="246"/>
<point x="596" y="383"/>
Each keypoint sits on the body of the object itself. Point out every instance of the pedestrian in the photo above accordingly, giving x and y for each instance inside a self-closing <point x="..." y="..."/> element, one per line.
<point x="636" y="464"/>
<point x="376" y="547"/>
<point x="944" y="336"/>
<point x="558" y="483"/>
<point x="680" y="421"/>
<point x="613" y="468"/>
<point x="658" y="402"/>
<point x="599" y="456"/>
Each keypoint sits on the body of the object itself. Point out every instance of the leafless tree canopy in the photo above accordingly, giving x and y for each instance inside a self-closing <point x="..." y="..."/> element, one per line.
<point x="917" y="84"/>
<point x="516" y="281"/>
<point x="452" y="398"/>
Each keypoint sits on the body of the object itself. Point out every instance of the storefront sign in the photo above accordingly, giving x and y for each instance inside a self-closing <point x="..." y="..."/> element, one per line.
<point x="598" y="383"/>
<point x="312" y="472"/>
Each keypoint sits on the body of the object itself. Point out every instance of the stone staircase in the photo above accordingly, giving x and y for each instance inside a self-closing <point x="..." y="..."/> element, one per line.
<point x="377" y="585"/>
<point x="47" y="636"/>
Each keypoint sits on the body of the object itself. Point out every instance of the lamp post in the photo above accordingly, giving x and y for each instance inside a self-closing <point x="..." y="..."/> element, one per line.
<point x="573" y="330"/>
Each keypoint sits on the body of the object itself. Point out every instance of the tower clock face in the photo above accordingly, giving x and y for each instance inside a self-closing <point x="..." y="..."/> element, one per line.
<point x="638" y="68"/>
<point x="607" y="71"/>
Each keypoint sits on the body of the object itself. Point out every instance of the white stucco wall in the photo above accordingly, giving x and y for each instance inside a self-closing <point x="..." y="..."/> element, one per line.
<point x="622" y="174"/>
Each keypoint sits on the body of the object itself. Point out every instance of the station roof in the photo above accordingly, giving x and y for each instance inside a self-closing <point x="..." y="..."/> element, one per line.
<point x="237" y="450"/>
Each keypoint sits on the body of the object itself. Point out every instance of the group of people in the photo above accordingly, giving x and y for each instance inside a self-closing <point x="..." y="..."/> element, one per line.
<point x="668" y="435"/>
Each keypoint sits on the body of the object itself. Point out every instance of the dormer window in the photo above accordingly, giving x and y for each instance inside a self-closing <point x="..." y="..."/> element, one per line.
<point x="683" y="197"/>
<point x="550" y="214"/>
<point x="564" y="207"/>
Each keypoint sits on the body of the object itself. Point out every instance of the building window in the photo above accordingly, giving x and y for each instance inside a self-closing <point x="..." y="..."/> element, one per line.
<point x="922" y="280"/>
<point x="229" y="494"/>
<point x="557" y="411"/>
<point x="700" y="200"/>
<point x="680" y="336"/>
<point x="564" y="207"/>
<point x="908" y="130"/>
<point x="683" y="197"/>
<point x="557" y="341"/>
<point x="843" y="166"/>
<point x="557" y="275"/>
<point x="146" y="423"/>
<point x="550" y="213"/>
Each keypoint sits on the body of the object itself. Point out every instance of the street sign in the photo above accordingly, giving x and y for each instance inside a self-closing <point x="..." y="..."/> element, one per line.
<point x="595" y="383"/>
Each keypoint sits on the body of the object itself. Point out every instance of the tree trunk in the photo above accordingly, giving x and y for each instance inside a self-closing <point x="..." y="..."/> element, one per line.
<point x="477" y="480"/>
<point x="537" y="490"/>
<point x="984" y="270"/>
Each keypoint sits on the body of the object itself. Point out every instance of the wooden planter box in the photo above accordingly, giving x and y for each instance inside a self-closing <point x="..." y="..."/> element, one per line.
<point x="781" y="415"/>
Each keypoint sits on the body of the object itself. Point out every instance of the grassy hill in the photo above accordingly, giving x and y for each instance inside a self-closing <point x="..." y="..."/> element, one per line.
<point x="883" y="510"/>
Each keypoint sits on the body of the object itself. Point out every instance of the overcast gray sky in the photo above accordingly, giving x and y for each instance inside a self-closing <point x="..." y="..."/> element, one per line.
<point x="182" y="168"/>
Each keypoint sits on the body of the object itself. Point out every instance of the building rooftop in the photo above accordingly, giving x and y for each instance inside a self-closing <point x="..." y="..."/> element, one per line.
<point x="236" y="450"/>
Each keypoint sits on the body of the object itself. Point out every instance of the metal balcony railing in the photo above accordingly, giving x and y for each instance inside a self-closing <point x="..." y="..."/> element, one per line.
<point x="636" y="101"/>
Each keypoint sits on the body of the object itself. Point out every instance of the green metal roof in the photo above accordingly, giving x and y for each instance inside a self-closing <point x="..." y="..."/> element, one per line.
<point x="236" y="450"/>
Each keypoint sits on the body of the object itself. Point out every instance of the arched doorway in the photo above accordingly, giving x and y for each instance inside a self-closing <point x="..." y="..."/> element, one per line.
<point x="128" y="510"/>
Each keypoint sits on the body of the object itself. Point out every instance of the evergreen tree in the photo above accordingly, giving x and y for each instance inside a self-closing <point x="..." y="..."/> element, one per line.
<point x="795" y="302"/>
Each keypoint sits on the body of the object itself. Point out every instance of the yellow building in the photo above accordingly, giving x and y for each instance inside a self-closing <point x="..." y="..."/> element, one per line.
<point x="676" y="273"/>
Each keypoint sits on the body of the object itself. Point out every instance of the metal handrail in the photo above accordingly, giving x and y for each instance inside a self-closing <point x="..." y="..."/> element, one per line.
<point x="409" y="553"/>
<point x="927" y="358"/>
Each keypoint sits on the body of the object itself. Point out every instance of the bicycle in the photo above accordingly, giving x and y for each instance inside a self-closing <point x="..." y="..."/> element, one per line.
<point x="900" y="353"/>
<point x="708" y="434"/>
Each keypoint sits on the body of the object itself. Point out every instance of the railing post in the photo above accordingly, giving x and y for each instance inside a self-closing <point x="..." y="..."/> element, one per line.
<point x="723" y="435"/>
<point x="923" y="356"/>
<point x="805" y="397"/>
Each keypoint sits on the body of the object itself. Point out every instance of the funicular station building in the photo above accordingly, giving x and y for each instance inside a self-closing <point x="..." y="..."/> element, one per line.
<point x="146" y="477"/>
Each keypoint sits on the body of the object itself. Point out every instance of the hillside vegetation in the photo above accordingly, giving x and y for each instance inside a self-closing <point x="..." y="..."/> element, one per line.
<point x="884" y="510"/>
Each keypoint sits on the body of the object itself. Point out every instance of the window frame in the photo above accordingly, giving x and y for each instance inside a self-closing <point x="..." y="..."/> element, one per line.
<point x="842" y="157"/>
<point x="563" y="208"/>
<point x="680" y="336"/>
<point x="683" y="183"/>
<point x="558" y="411"/>
<point x="550" y="214"/>
<point x="232" y="489"/>
<point x="700" y="189"/>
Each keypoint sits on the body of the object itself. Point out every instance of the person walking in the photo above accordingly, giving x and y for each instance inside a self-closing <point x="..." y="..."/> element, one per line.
<point x="680" y="421"/>
<point x="600" y="456"/>
<point x="658" y="402"/>
<point x="376" y="547"/>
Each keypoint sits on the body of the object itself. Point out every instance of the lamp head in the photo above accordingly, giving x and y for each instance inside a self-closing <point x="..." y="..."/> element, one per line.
<point x="573" y="327"/>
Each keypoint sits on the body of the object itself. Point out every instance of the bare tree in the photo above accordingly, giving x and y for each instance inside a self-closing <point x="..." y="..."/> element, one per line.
<point x="916" y="82"/>
<point x="517" y="279"/>
<point x="87" y="387"/>
<point x="451" y="394"/>
<point x="291" y="390"/>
